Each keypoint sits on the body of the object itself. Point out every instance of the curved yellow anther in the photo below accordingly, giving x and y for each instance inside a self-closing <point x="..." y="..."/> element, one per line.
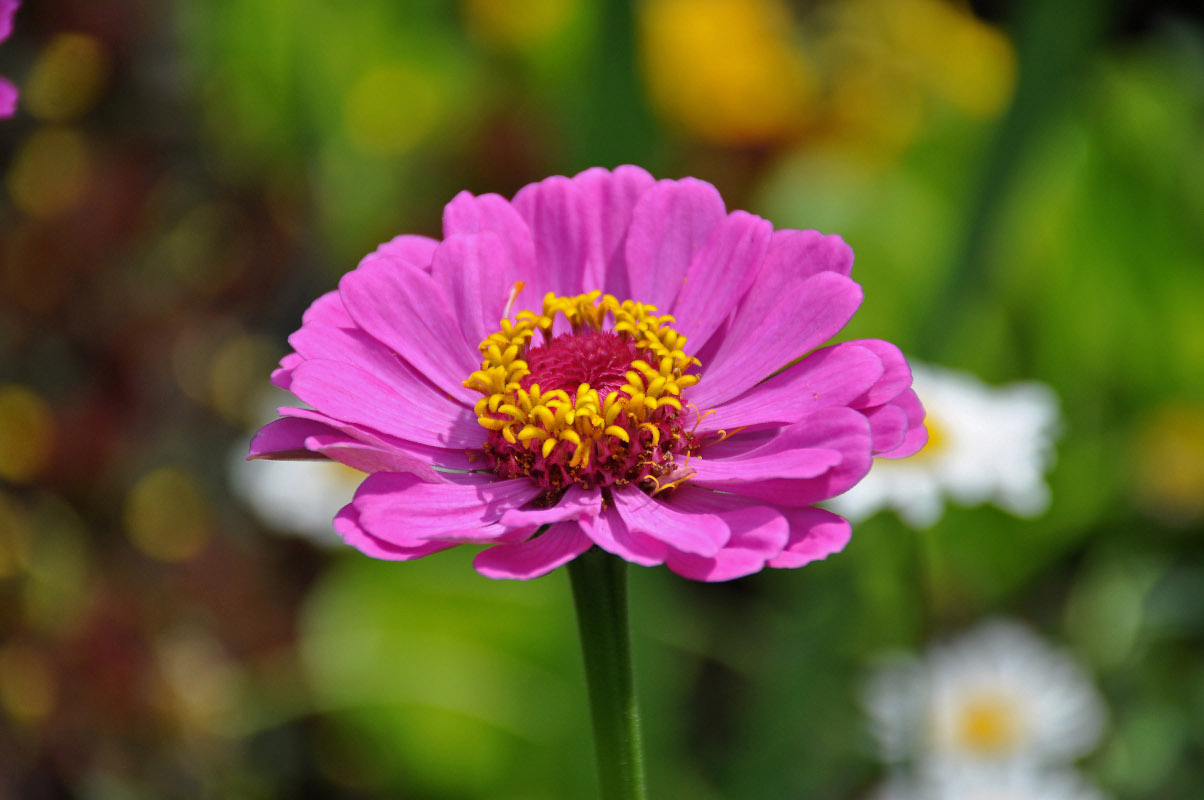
<point x="530" y="432"/>
<point x="615" y="430"/>
<point x="613" y="410"/>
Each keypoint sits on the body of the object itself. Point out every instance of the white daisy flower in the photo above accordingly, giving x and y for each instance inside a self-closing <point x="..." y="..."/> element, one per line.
<point x="985" y="445"/>
<point x="295" y="497"/>
<point x="996" y="697"/>
<point x="990" y="784"/>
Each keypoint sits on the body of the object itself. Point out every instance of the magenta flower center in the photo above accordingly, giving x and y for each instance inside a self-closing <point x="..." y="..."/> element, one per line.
<point x="599" y="405"/>
<point x="597" y="358"/>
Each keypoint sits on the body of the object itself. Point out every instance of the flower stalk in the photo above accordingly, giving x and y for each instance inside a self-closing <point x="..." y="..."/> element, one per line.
<point x="599" y="582"/>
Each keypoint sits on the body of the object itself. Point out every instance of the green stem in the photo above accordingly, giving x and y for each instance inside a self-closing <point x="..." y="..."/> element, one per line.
<point x="600" y="594"/>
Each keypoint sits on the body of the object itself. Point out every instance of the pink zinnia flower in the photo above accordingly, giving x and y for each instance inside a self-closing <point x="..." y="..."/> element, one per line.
<point x="8" y="92"/>
<point x="605" y="360"/>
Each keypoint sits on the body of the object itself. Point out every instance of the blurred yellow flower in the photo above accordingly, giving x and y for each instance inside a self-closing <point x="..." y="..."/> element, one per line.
<point x="727" y="70"/>
<point x="886" y="59"/>
<point x="516" y="24"/>
<point x="861" y="73"/>
<point x="959" y="58"/>
<point x="1168" y="463"/>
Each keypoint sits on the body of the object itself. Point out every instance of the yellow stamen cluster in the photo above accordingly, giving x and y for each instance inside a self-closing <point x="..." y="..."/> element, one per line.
<point x="541" y="420"/>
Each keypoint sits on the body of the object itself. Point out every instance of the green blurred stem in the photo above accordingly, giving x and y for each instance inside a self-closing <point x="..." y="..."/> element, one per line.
<point x="1053" y="43"/>
<point x="600" y="594"/>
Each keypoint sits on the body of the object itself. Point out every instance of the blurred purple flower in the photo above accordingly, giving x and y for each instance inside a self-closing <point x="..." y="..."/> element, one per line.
<point x="663" y="439"/>
<point x="8" y="92"/>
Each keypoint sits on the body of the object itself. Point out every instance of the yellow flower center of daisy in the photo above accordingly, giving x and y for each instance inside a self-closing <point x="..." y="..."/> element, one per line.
<point x="938" y="440"/>
<point x="988" y="725"/>
<point x="600" y="403"/>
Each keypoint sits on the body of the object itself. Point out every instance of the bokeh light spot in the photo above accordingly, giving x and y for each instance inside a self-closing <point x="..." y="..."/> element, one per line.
<point x="236" y="375"/>
<point x="27" y="686"/>
<point x="14" y="537"/>
<point x="57" y="569"/>
<point x="201" y="684"/>
<point x="391" y="108"/>
<point x="67" y="79"/>
<point x="167" y="514"/>
<point x="26" y="434"/>
<point x="50" y="172"/>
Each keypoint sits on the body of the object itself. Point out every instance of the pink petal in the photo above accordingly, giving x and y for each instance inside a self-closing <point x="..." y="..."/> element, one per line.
<point x="282" y="376"/>
<point x="781" y="459"/>
<point x="917" y="434"/>
<point x="719" y="275"/>
<point x="896" y="375"/>
<point x="814" y="534"/>
<point x="370" y="458"/>
<point x="328" y="311"/>
<point x="405" y="510"/>
<point x="609" y="198"/>
<point x="8" y="98"/>
<point x="474" y="273"/>
<point x="419" y="457"/>
<point x="403" y="308"/>
<point x="577" y="503"/>
<point x="8" y="8"/>
<point x="406" y="250"/>
<point x="346" y="392"/>
<point x="758" y="533"/>
<point x="669" y="224"/>
<point x="610" y="532"/>
<point x="831" y="376"/>
<point x="807" y="253"/>
<point x="758" y="344"/>
<point x="554" y="211"/>
<point x="701" y="533"/>
<point x="537" y="556"/>
<point x="789" y="261"/>
<point x="346" y="524"/>
<point x="837" y="429"/>
<point x="356" y="348"/>
<point x="284" y="440"/>
<point x="888" y="427"/>
<point x="491" y="213"/>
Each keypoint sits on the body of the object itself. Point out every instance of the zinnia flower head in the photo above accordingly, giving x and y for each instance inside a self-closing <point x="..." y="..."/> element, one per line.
<point x="8" y="92"/>
<point x="604" y="360"/>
